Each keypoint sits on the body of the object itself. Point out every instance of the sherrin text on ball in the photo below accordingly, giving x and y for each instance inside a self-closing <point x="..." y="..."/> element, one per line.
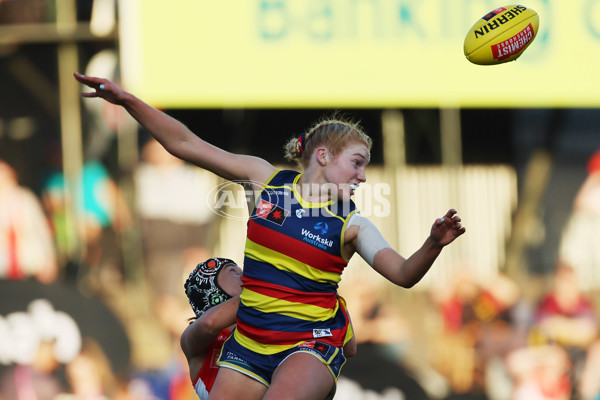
<point x="501" y="35"/>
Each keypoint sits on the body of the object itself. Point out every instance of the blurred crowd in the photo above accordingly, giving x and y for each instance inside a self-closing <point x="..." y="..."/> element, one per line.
<point x="473" y="340"/>
<point x="37" y="244"/>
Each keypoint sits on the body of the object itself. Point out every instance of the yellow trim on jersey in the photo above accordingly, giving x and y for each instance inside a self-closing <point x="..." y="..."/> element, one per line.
<point x="342" y="239"/>
<point x="349" y="334"/>
<point x="301" y="201"/>
<point x="335" y="215"/>
<point x="350" y="330"/>
<point x="288" y="264"/>
<point x="270" y="178"/>
<point x="264" y="185"/>
<point x="277" y="187"/>
<point x="306" y="312"/>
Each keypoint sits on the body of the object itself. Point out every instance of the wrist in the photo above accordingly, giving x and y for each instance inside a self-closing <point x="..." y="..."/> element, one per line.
<point x="431" y="242"/>
<point x="126" y="99"/>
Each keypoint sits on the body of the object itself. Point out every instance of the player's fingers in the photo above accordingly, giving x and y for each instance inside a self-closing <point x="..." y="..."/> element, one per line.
<point x="82" y="78"/>
<point x="90" y="81"/>
<point x="450" y="213"/>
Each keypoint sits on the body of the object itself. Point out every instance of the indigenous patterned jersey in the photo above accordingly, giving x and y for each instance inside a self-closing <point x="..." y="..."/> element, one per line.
<point x="292" y="266"/>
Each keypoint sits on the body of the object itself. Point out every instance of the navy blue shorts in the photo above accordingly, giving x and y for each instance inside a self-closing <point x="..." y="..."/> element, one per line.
<point x="261" y="366"/>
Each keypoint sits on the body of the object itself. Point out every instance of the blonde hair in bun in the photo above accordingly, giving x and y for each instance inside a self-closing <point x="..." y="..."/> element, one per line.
<point x="334" y="133"/>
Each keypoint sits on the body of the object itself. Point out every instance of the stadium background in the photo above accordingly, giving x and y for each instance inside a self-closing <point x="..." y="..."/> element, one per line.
<point x="506" y="145"/>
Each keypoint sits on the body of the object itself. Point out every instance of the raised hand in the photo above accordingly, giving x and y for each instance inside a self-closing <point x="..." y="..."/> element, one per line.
<point x="103" y="88"/>
<point x="447" y="228"/>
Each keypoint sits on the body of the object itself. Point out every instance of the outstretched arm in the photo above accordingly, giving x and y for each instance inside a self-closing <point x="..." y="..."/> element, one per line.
<point x="369" y="243"/>
<point x="176" y="138"/>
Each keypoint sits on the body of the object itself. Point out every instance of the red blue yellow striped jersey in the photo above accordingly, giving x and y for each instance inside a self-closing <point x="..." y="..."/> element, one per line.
<point x="292" y="266"/>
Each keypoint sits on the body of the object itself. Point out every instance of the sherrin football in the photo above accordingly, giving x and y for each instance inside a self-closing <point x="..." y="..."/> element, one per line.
<point x="501" y="35"/>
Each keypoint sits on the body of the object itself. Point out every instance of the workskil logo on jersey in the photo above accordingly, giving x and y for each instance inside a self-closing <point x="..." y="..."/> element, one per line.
<point x="316" y="239"/>
<point x="271" y="212"/>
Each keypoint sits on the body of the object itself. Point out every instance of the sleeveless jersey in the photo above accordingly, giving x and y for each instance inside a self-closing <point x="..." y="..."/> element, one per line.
<point x="292" y="266"/>
<point x="208" y="371"/>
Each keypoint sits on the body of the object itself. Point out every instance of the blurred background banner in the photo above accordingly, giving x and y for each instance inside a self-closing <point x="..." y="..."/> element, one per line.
<point x="349" y="53"/>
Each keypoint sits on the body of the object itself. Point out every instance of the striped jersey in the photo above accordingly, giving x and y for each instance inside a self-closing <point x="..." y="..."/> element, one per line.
<point x="292" y="266"/>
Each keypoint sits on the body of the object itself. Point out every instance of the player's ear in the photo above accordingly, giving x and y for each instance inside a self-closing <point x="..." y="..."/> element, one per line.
<point x="322" y="155"/>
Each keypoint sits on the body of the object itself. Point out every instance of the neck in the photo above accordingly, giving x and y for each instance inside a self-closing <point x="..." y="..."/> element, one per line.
<point x="311" y="188"/>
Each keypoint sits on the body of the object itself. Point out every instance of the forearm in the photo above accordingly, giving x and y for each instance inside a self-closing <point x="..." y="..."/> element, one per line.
<point x="417" y="265"/>
<point x="378" y="253"/>
<point x="173" y="135"/>
<point x="219" y="317"/>
<point x="198" y="336"/>
<point x="176" y="138"/>
<point x="407" y="272"/>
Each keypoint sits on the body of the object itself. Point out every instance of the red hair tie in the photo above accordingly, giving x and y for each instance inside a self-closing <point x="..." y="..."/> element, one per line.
<point x="301" y="140"/>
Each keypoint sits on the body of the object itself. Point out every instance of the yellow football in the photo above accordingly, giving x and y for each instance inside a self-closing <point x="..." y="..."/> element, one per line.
<point x="501" y="35"/>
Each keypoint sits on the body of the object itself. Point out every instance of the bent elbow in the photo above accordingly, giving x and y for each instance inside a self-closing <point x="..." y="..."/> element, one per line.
<point x="405" y="283"/>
